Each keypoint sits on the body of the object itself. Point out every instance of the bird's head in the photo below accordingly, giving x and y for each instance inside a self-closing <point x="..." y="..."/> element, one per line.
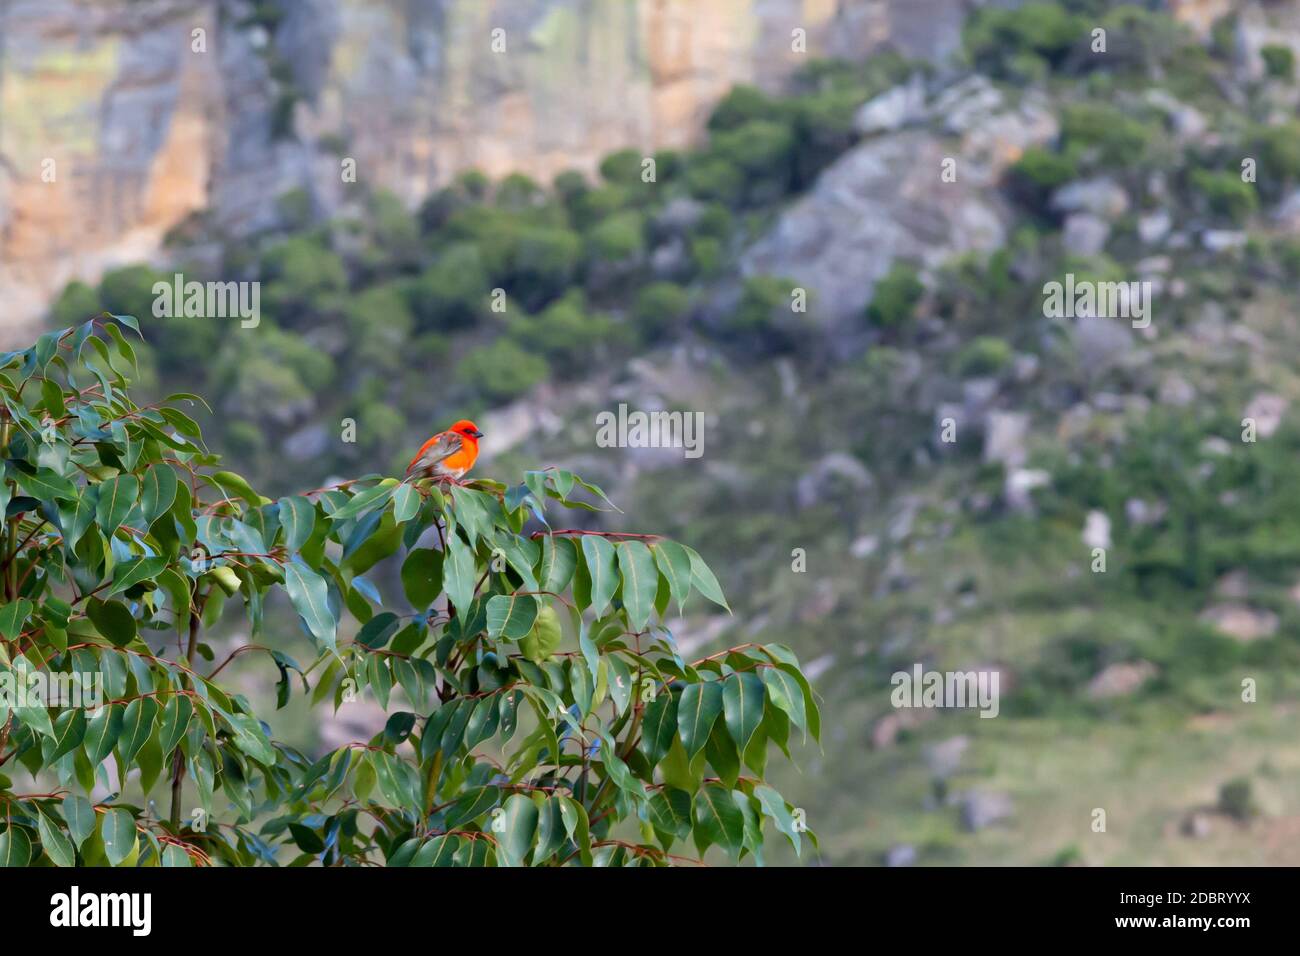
<point x="467" y="430"/>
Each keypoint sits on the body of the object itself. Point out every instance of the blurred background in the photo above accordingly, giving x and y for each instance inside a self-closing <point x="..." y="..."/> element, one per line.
<point x="799" y="150"/>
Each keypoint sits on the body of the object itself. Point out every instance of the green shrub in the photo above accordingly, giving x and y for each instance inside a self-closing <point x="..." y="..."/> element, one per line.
<point x="742" y="105"/>
<point x="707" y="255"/>
<point x="1279" y="61"/>
<point x="75" y="304"/>
<point x="303" y="275"/>
<point x="713" y="179"/>
<point x="996" y="38"/>
<point x="660" y="306"/>
<point x="618" y="239"/>
<point x="1116" y="138"/>
<point x="380" y="323"/>
<point x="534" y="264"/>
<point x="502" y="370"/>
<point x="1237" y="799"/>
<point x="763" y="150"/>
<point x="593" y="205"/>
<point x="565" y="331"/>
<point x="129" y="290"/>
<point x="623" y="168"/>
<point x="1278" y="152"/>
<point x="896" y="296"/>
<point x="1226" y="194"/>
<point x="453" y="292"/>
<point x="985" y="355"/>
<point x="518" y="191"/>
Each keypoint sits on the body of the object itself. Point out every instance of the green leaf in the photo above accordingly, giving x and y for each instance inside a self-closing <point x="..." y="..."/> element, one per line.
<point x="438" y="851"/>
<point x="482" y="722"/>
<point x="15" y="847"/>
<point x="117" y="497"/>
<point x="599" y="556"/>
<point x="675" y="565"/>
<point x="250" y="739"/>
<point x="718" y="820"/>
<point x="559" y="561"/>
<point x="309" y="596"/>
<point x="157" y="492"/>
<point x="112" y="619"/>
<point x="235" y="486"/>
<point x="696" y="711"/>
<point x="69" y="731"/>
<point x="80" y="817"/>
<point x="178" y="590"/>
<point x="577" y="826"/>
<point x="472" y="805"/>
<point x="742" y="704"/>
<point x="774" y="806"/>
<point x="458" y="572"/>
<point x="12" y="617"/>
<point x="55" y="842"/>
<point x="785" y="694"/>
<point x="658" y="725"/>
<point x="174" y="856"/>
<point x="520" y="829"/>
<point x="175" y="721"/>
<point x="406" y="503"/>
<point x="550" y="831"/>
<point x="46" y="485"/>
<point x="510" y="617"/>
<point x="376" y="631"/>
<point x="362" y="502"/>
<point x="102" y="732"/>
<point x="137" y="725"/>
<point x="640" y="582"/>
<point x="130" y="573"/>
<point x="422" y="577"/>
<point x="119" y="835"/>
<point x="36" y="716"/>
<point x="670" y="812"/>
<point x="704" y="580"/>
<point x="298" y="519"/>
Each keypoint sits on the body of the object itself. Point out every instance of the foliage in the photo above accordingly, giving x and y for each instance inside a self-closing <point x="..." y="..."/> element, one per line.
<point x="1226" y="194"/>
<point x="539" y="711"/>
<point x="1279" y="61"/>
<point x="896" y="296"/>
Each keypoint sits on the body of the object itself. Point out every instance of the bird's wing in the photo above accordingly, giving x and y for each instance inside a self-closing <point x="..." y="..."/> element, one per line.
<point x="436" y="449"/>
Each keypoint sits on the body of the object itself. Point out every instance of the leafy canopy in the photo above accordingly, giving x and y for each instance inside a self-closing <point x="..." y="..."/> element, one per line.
<point x="539" y="712"/>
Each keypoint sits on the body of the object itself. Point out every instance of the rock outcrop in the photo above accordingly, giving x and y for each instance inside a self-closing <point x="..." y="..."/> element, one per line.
<point x="119" y="120"/>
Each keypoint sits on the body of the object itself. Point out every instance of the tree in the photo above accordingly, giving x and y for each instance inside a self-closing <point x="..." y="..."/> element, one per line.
<point x="539" y="711"/>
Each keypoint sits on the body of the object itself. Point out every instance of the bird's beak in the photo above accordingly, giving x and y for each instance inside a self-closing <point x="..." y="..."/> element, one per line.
<point x="476" y="433"/>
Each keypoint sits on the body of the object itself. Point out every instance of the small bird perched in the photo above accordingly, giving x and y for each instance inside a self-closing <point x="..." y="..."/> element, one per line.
<point x="448" y="454"/>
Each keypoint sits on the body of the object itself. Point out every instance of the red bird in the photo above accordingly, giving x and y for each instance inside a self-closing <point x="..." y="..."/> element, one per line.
<point x="448" y="454"/>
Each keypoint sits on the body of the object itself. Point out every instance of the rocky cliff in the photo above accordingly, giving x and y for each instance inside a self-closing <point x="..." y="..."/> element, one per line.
<point x="118" y="120"/>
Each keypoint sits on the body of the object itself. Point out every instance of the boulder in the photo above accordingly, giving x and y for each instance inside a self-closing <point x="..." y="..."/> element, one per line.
<point x="1101" y="197"/>
<point x="1096" y="530"/>
<point x="892" y="109"/>
<point x="1120" y="680"/>
<point x="1005" y="435"/>
<point x="1267" y="410"/>
<point x="1084" y="234"/>
<point x="1240" y="621"/>
<point x="983" y="808"/>
<point x="836" y="468"/>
